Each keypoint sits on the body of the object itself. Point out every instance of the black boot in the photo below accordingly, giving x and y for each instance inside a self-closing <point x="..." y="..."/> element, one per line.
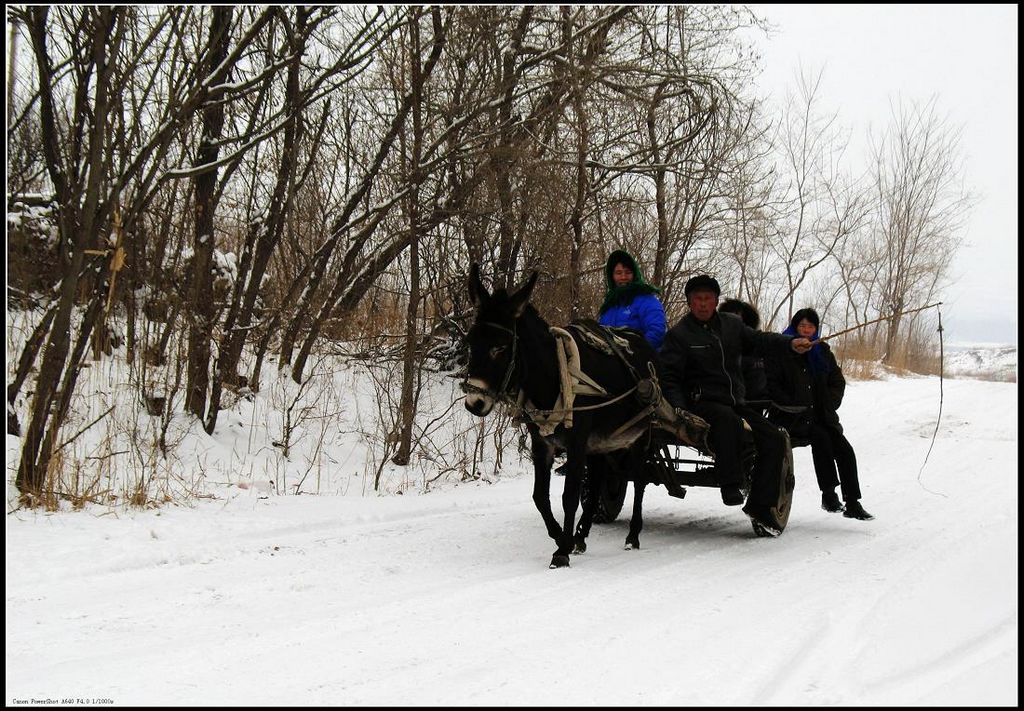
<point x="830" y="502"/>
<point x="855" y="510"/>
<point x="731" y="495"/>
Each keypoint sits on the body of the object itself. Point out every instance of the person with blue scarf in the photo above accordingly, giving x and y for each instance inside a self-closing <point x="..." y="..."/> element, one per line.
<point x="814" y="381"/>
<point x="630" y="301"/>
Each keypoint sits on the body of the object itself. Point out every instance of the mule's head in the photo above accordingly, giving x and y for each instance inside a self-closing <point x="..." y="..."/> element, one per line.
<point x="493" y="342"/>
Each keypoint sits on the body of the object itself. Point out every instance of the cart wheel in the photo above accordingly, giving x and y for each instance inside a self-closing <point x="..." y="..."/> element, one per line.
<point x="787" y="484"/>
<point x="612" y="495"/>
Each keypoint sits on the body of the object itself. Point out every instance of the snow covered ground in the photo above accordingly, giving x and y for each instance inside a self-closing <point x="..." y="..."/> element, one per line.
<point x="986" y="361"/>
<point x="445" y="598"/>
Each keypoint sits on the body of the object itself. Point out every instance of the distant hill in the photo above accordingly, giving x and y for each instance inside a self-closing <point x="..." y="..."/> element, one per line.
<point x="984" y="361"/>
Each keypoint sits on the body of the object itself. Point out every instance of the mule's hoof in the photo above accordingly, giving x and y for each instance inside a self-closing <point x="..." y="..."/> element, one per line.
<point x="580" y="547"/>
<point x="632" y="545"/>
<point x="559" y="561"/>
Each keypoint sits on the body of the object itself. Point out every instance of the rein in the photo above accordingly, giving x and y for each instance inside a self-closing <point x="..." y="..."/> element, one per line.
<point x="581" y="408"/>
<point x="512" y="361"/>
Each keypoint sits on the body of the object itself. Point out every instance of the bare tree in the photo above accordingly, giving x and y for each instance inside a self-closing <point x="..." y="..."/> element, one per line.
<point x="686" y="70"/>
<point x="264" y="230"/>
<point x="819" y="207"/>
<point x="923" y="204"/>
<point x="407" y="406"/>
<point x="750" y="190"/>
<point x="354" y="274"/>
<point x="200" y="305"/>
<point x="74" y="152"/>
<point x="339" y="167"/>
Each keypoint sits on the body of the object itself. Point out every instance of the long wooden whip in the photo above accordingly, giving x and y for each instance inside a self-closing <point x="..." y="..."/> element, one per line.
<point x="880" y="318"/>
<point x="937" y="419"/>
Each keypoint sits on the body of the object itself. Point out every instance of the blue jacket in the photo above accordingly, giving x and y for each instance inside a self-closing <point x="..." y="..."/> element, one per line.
<point x="644" y="313"/>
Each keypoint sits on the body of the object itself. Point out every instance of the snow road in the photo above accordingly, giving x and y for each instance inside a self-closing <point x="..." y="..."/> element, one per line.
<point x="446" y="598"/>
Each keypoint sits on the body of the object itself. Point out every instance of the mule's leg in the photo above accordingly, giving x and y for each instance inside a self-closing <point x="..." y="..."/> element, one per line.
<point x="576" y="458"/>
<point x="543" y="458"/>
<point x="594" y="474"/>
<point x="637" y="520"/>
<point x="570" y="501"/>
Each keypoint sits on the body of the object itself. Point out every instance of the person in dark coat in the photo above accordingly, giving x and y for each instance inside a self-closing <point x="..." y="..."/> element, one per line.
<point x="814" y="381"/>
<point x="630" y="301"/>
<point x="755" y="380"/>
<point x="700" y="360"/>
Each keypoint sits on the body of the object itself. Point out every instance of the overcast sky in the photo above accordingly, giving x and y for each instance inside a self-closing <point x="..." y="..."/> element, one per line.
<point x="966" y="58"/>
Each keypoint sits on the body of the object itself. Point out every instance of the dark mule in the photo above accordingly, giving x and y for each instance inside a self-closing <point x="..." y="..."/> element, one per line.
<point x="512" y="357"/>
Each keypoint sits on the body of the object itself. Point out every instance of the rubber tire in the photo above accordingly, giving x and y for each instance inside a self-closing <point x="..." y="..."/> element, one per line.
<point x="612" y="495"/>
<point x="787" y="484"/>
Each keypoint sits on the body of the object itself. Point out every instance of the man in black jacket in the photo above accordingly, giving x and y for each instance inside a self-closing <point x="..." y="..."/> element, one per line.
<point x="701" y="372"/>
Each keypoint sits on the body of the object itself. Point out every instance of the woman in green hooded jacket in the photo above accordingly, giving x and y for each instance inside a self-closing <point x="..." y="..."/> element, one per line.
<point x="630" y="301"/>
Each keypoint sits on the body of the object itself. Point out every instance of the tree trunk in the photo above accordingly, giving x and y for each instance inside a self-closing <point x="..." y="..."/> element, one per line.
<point x="660" y="194"/>
<point x="582" y="175"/>
<point x="29" y="354"/>
<point x="200" y="301"/>
<point x="409" y="364"/>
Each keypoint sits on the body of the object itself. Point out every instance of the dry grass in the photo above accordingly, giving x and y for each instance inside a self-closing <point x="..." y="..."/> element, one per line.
<point x="71" y="479"/>
<point x="861" y="359"/>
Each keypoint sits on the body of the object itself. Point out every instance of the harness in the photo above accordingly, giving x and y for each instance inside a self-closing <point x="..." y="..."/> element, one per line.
<point x="687" y="427"/>
<point x="502" y="391"/>
<point x="572" y="381"/>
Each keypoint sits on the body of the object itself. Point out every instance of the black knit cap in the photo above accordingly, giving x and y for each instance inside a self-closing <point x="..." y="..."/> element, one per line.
<point x="702" y="281"/>
<point x="745" y="311"/>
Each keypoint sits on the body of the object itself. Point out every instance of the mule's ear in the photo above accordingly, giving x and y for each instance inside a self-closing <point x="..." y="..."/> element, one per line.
<point x="477" y="293"/>
<point x="521" y="296"/>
